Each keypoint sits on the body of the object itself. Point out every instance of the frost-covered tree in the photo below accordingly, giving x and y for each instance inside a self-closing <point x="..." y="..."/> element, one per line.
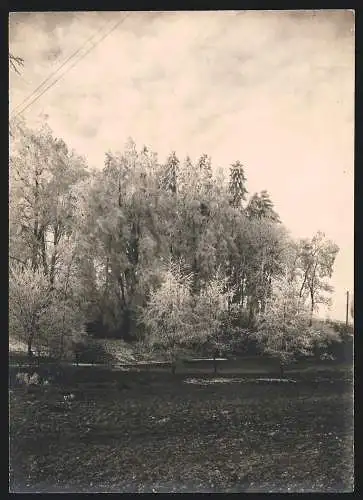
<point x="30" y="297"/>
<point x="210" y="308"/>
<point x="98" y="243"/>
<point x="283" y="329"/>
<point x="237" y="184"/>
<point x="44" y="175"/>
<point x="171" y="173"/>
<point x="260" y="206"/>
<point x="316" y="262"/>
<point x="41" y="316"/>
<point x="204" y="165"/>
<point x="125" y="234"/>
<point x="168" y="315"/>
<point x="176" y="319"/>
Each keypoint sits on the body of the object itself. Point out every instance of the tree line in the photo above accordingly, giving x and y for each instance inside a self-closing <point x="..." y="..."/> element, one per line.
<point x="171" y="253"/>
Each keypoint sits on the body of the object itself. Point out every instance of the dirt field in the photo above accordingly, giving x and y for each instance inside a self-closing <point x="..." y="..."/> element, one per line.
<point x="148" y="431"/>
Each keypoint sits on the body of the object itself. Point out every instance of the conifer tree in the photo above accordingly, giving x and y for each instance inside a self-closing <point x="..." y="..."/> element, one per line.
<point x="205" y="172"/>
<point x="171" y="172"/>
<point x="260" y="206"/>
<point x="237" y="184"/>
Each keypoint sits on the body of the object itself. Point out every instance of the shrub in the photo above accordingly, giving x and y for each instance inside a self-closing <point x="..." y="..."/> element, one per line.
<point x="90" y="351"/>
<point x="23" y="378"/>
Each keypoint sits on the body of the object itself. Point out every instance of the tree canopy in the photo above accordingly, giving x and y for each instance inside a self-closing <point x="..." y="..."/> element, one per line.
<point x="152" y="250"/>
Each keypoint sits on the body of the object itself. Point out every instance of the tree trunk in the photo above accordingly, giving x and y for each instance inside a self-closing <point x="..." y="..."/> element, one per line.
<point x="242" y="287"/>
<point x="122" y="286"/>
<point x="44" y="253"/>
<point x="126" y="323"/>
<point x="30" y="352"/>
<point x="35" y="248"/>
<point x="56" y="238"/>
<point x="311" y="311"/>
<point x="251" y="315"/>
<point x="304" y="282"/>
<point x="282" y="371"/>
<point x="32" y="329"/>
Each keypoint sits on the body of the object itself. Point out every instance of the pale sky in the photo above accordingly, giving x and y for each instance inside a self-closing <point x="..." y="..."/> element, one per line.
<point x="273" y="89"/>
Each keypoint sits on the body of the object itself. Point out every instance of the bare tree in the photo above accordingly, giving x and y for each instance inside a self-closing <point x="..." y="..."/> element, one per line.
<point x="16" y="62"/>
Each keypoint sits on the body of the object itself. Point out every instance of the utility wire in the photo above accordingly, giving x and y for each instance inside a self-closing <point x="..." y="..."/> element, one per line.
<point x="72" y="65"/>
<point x="53" y="73"/>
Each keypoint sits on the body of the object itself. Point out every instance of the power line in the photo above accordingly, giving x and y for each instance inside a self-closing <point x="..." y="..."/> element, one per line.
<point x="53" y="73"/>
<point x="74" y="64"/>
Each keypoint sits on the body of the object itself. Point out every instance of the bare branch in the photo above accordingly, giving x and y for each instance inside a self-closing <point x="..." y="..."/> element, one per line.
<point x="15" y="62"/>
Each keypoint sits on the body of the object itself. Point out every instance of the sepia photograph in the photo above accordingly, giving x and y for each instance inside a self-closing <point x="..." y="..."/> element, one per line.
<point x="181" y="251"/>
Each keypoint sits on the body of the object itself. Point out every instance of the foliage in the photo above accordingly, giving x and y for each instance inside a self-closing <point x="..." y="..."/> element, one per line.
<point x="177" y="319"/>
<point x="122" y="235"/>
<point x="40" y="316"/>
<point x="260" y="206"/>
<point x="316" y="257"/>
<point x="29" y="301"/>
<point x="44" y="176"/>
<point x="210" y="309"/>
<point x="169" y="312"/>
<point x="237" y="186"/>
<point x="171" y="173"/>
<point x="341" y="328"/>
<point x="283" y="328"/>
<point x="88" y="351"/>
<point x="163" y="252"/>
